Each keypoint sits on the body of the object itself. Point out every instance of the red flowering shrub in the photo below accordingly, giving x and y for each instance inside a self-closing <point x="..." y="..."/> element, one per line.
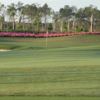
<point x="43" y="35"/>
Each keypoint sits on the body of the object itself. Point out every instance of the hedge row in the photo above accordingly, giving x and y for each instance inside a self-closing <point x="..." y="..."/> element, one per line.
<point x="43" y="35"/>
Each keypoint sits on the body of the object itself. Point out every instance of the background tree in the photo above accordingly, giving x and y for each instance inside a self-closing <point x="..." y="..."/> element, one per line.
<point x="90" y="15"/>
<point x="19" y="11"/>
<point x="11" y="11"/>
<point x="66" y="14"/>
<point x="46" y="11"/>
<point x="80" y="19"/>
<point x="36" y="18"/>
<point x="2" y="16"/>
<point x="55" y="21"/>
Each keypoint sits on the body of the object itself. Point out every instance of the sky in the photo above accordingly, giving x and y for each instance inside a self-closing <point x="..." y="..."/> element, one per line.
<point x="57" y="4"/>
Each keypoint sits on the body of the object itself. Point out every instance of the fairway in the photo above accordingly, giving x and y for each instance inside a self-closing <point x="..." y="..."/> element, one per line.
<point x="66" y="68"/>
<point x="48" y="98"/>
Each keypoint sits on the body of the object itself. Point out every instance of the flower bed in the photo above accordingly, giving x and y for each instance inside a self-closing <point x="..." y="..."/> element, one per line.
<point x="43" y="35"/>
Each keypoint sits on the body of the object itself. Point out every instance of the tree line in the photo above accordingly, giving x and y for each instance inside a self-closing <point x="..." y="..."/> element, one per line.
<point x="36" y="18"/>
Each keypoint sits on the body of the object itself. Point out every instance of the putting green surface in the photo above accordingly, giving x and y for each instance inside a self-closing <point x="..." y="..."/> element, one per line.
<point x="68" y="67"/>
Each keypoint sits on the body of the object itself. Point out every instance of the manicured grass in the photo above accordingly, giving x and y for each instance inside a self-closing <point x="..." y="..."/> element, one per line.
<point x="84" y="41"/>
<point x="69" y="67"/>
<point x="48" y="98"/>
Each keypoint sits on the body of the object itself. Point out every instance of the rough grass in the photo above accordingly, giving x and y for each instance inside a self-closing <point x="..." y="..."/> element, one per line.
<point x="69" y="66"/>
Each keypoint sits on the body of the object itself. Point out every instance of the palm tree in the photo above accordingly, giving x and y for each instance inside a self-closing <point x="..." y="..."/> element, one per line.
<point x="46" y="11"/>
<point x="31" y="13"/>
<point x="55" y="20"/>
<point x="38" y="17"/>
<point x="23" y="16"/>
<point x="66" y="14"/>
<point x="11" y="11"/>
<point x="88" y="15"/>
<point x="20" y="11"/>
<point x="74" y="19"/>
<point x="2" y="16"/>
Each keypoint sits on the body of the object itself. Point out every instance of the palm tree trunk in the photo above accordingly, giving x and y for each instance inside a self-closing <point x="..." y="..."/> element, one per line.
<point x="73" y="26"/>
<point x="91" y="23"/>
<point x="54" y="26"/>
<point x="37" y="26"/>
<point x="13" y="24"/>
<point x="32" y="25"/>
<point x="20" y="19"/>
<point x="23" y="26"/>
<point x="61" y="27"/>
<point x="46" y="25"/>
<point x="68" y="29"/>
<point x="42" y="27"/>
<point x="1" y="26"/>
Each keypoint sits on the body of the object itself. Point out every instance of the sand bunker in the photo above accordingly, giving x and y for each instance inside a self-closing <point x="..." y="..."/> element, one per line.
<point x="4" y="50"/>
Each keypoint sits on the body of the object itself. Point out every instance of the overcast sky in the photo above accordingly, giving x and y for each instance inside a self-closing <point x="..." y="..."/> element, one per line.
<point x="57" y="4"/>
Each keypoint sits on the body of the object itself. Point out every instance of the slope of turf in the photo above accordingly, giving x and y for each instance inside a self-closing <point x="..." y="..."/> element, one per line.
<point x="82" y="41"/>
<point x="69" y="66"/>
